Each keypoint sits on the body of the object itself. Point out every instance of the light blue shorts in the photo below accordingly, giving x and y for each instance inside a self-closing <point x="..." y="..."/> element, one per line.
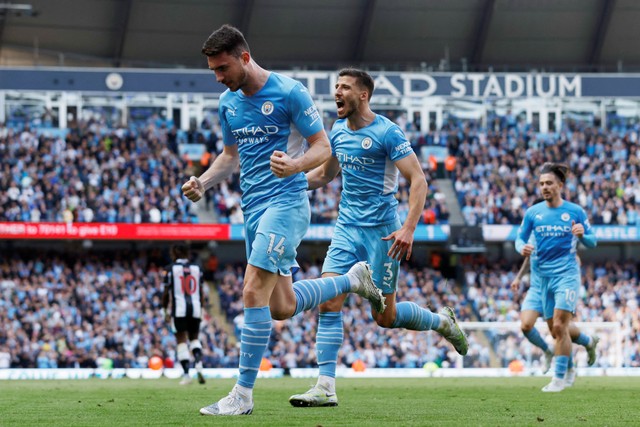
<point x="560" y="293"/>
<point x="533" y="299"/>
<point x="274" y="232"/>
<point x="351" y="244"/>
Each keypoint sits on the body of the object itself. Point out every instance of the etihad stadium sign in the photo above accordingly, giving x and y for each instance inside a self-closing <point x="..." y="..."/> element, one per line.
<point x="321" y="83"/>
<point x="457" y="85"/>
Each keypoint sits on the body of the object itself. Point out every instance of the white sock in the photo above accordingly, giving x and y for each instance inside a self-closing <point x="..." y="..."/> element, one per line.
<point x="246" y="393"/>
<point x="327" y="383"/>
<point x="444" y="323"/>
<point x="353" y="280"/>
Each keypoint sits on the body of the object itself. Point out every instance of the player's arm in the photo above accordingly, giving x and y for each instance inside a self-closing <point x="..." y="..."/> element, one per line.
<point x="524" y="232"/>
<point x="221" y="168"/>
<point x="202" y="285"/>
<point x="515" y="285"/>
<point x="319" y="151"/>
<point x="583" y="231"/>
<point x="323" y="174"/>
<point x="166" y="298"/>
<point x="307" y="119"/>
<point x="411" y="170"/>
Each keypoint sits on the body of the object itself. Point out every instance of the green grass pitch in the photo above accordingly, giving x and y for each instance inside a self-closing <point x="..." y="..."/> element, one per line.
<point x="593" y="401"/>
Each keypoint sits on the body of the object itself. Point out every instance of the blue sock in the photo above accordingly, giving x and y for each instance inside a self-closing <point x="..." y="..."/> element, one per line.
<point x="328" y="342"/>
<point x="410" y="315"/>
<point x="561" y="366"/>
<point x="312" y="293"/>
<point x="534" y="337"/>
<point x="570" y="363"/>
<point x="583" y="340"/>
<point x="254" y="340"/>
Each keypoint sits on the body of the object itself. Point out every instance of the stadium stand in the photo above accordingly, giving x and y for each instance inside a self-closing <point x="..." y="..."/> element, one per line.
<point x="495" y="171"/>
<point x="60" y="311"/>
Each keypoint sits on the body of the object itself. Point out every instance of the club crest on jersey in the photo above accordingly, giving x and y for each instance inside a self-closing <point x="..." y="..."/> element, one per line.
<point x="565" y="217"/>
<point x="267" y="108"/>
<point x="366" y="143"/>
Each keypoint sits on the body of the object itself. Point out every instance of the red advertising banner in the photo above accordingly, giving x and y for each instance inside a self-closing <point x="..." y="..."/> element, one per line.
<point x="117" y="231"/>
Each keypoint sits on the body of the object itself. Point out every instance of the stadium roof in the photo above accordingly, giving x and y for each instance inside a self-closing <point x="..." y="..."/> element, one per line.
<point x="502" y="35"/>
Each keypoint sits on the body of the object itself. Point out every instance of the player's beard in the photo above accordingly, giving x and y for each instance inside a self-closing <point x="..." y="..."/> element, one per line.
<point x="551" y="196"/>
<point x="348" y="108"/>
<point x="241" y="82"/>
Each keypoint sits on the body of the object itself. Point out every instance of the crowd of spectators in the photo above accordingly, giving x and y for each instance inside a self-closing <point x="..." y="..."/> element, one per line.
<point x="92" y="174"/>
<point x="58" y="310"/>
<point x="609" y="294"/>
<point x="496" y="171"/>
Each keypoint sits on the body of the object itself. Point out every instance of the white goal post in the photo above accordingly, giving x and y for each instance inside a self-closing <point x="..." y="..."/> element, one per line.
<point x="610" y="350"/>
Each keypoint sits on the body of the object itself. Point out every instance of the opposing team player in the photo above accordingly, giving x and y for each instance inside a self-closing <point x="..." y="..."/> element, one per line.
<point x="182" y="302"/>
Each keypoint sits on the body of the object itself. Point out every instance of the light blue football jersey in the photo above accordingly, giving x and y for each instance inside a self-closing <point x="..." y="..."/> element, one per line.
<point x="279" y="117"/>
<point x="555" y="245"/>
<point x="369" y="175"/>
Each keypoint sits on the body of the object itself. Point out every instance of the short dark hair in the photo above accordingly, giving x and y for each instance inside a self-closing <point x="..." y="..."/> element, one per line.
<point x="558" y="169"/>
<point x="179" y="252"/>
<point x="227" y="39"/>
<point x="362" y="78"/>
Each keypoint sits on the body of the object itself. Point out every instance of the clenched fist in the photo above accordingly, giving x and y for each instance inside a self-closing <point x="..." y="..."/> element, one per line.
<point x="282" y="165"/>
<point x="193" y="189"/>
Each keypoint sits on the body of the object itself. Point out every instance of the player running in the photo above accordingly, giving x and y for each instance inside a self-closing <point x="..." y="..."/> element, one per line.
<point x="265" y="118"/>
<point x="369" y="149"/>
<point x="531" y="309"/>
<point x="556" y="226"/>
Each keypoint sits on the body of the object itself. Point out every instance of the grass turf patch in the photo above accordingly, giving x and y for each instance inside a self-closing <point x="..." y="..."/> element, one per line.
<point x="593" y="401"/>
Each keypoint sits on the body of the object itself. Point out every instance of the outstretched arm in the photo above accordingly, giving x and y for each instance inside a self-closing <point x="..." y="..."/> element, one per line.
<point x="220" y="169"/>
<point x="410" y="168"/>
<point x="515" y="285"/>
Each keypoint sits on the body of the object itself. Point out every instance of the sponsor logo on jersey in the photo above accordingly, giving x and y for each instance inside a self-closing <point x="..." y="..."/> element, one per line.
<point x="366" y="143"/>
<point x="403" y="148"/>
<point x="552" y="230"/>
<point x="254" y="134"/>
<point x="347" y="161"/>
<point x="267" y="108"/>
<point x="313" y="113"/>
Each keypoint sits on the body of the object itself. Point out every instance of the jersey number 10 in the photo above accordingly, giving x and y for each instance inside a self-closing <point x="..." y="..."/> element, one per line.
<point x="189" y="284"/>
